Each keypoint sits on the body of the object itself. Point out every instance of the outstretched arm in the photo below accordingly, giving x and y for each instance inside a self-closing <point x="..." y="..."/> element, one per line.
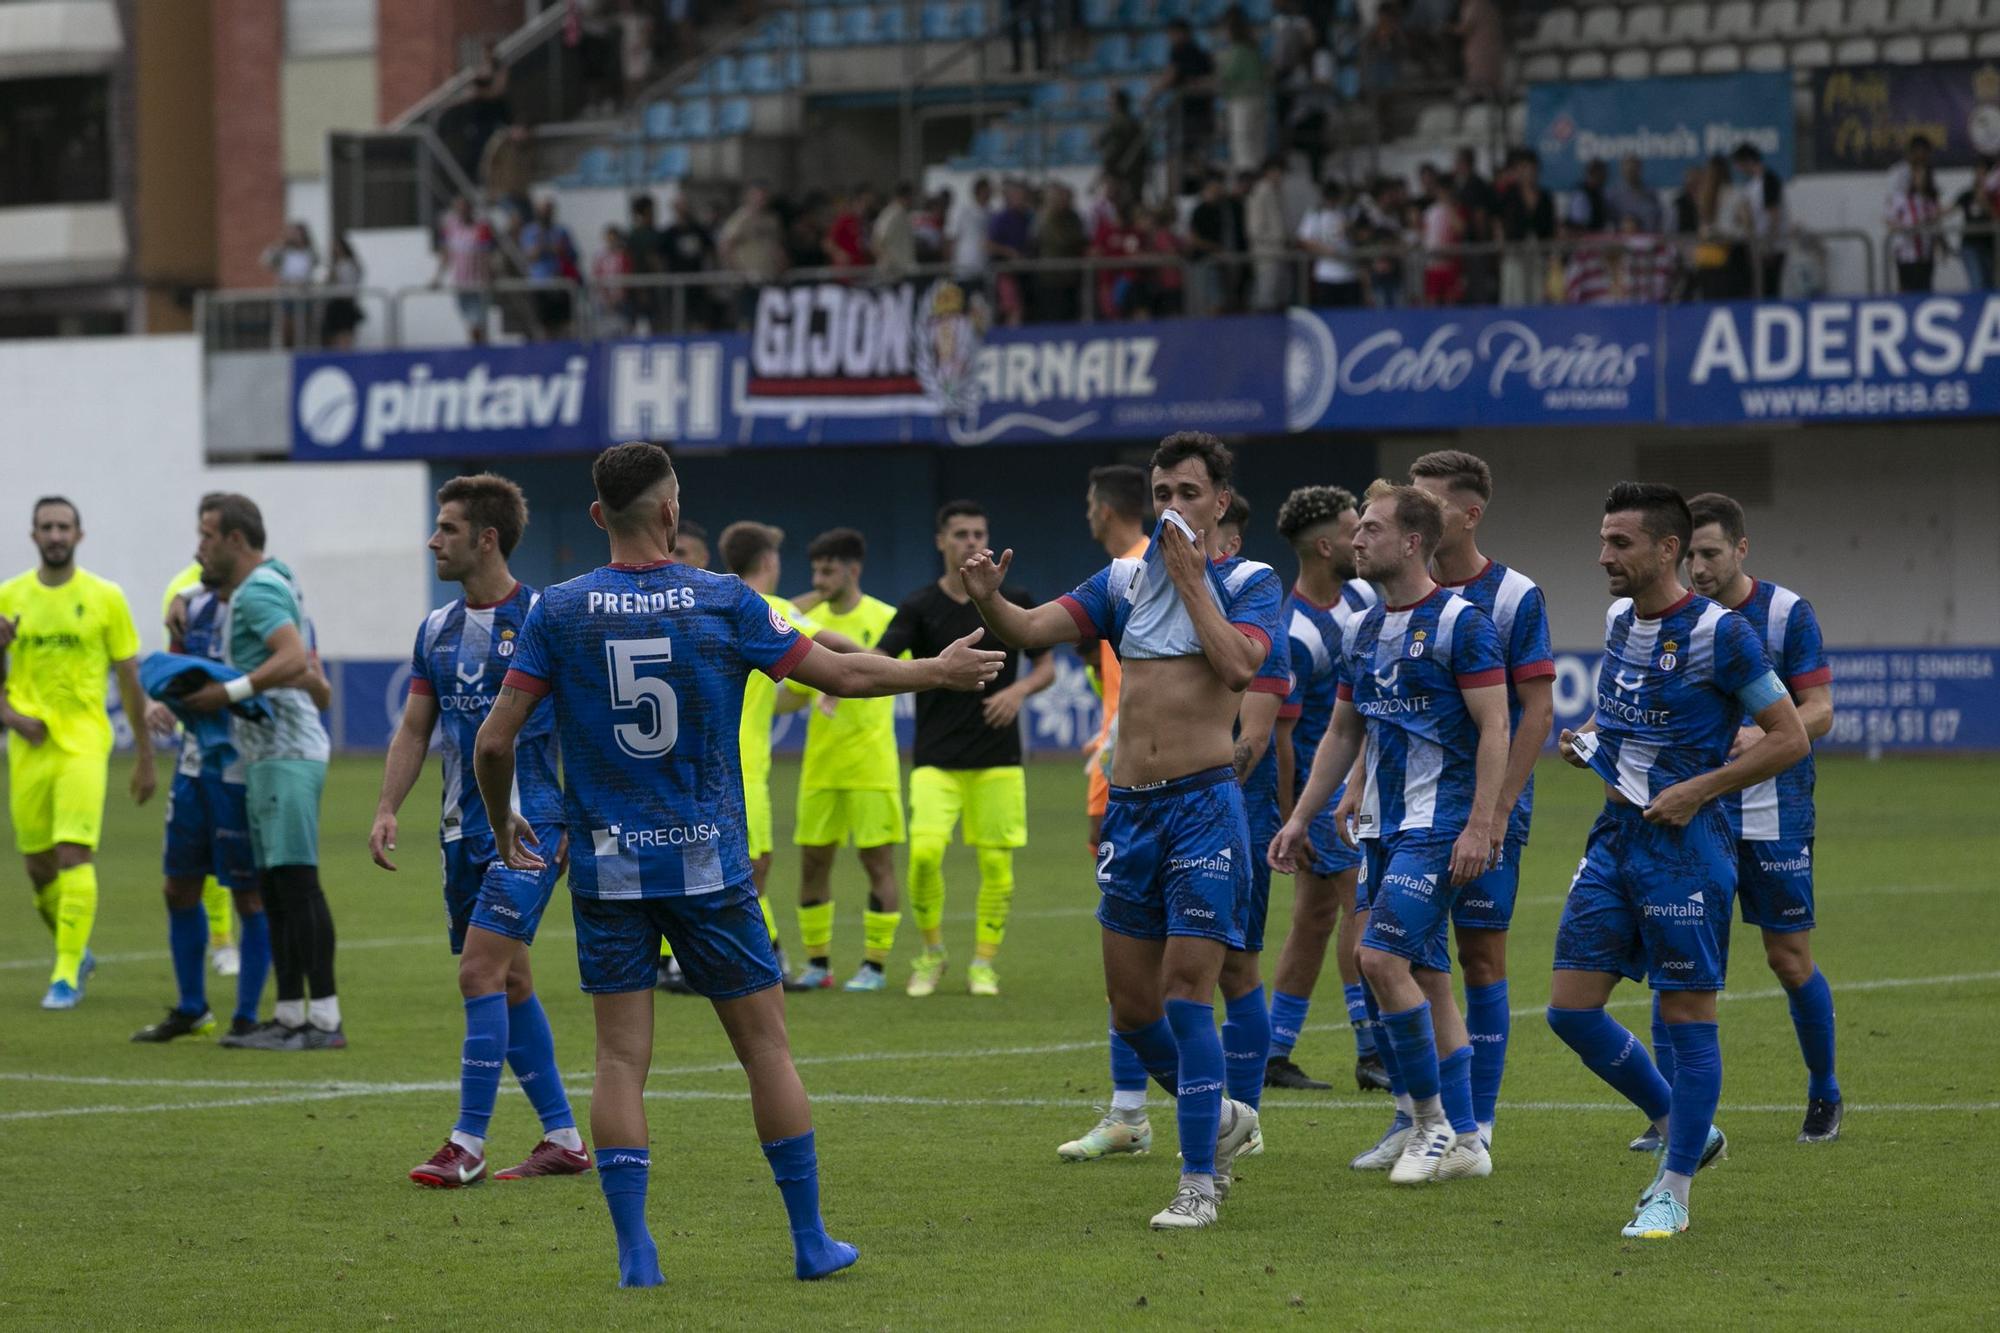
<point x="869" y="675"/>
<point x="1029" y="628"/>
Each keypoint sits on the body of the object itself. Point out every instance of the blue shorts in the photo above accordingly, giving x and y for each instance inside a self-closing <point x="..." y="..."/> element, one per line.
<point x="1261" y="816"/>
<point x="1650" y="902"/>
<point x="1410" y="909"/>
<point x="1487" y="903"/>
<point x="1174" y="859"/>
<point x="208" y="832"/>
<point x="1774" y="883"/>
<point x="1330" y="854"/>
<point x="484" y="891"/>
<point x="719" y="940"/>
<point x="1368" y="875"/>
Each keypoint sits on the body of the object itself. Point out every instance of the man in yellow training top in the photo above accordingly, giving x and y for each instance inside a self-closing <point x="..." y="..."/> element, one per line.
<point x="214" y="897"/>
<point x="851" y="786"/>
<point x="63" y="631"/>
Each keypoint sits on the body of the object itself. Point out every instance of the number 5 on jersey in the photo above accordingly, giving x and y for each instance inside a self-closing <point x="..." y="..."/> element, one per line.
<point x="659" y="725"/>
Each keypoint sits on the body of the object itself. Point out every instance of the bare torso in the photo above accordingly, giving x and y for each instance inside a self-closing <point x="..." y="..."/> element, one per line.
<point x="1175" y="717"/>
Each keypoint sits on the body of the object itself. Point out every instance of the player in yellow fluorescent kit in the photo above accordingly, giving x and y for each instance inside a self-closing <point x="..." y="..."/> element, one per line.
<point x="852" y="783"/>
<point x="63" y="631"/>
<point x="214" y="898"/>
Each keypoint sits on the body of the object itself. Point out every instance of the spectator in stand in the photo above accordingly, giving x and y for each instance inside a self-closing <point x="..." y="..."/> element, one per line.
<point x="686" y="247"/>
<point x="1638" y="269"/>
<point x="1266" y="230"/>
<point x="892" y="237"/>
<point x="1482" y="36"/>
<point x="1976" y="207"/>
<point x="508" y="170"/>
<point x="847" y="237"/>
<point x="551" y="254"/>
<point x="1384" y="49"/>
<point x="593" y="30"/>
<point x="1323" y="234"/>
<point x="1124" y="148"/>
<point x="1444" y="232"/>
<point x="294" y="262"/>
<point x="927" y="227"/>
<point x="1215" y="243"/>
<point x="1378" y="226"/>
<point x="1914" y="216"/>
<point x="611" y="265"/>
<point x="1589" y="211"/>
<point x="1245" y="86"/>
<point x="1010" y="235"/>
<point x="635" y="44"/>
<point x="1059" y="234"/>
<point x="1527" y="222"/>
<point x="465" y="256"/>
<point x="969" y="233"/>
<point x="805" y="231"/>
<point x="1190" y="78"/>
<point x="1722" y="251"/>
<point x="1429" y="25"/>
<point x="643" y="242"/>
<point x="1161" y="285"/>
<point x="1480" y="204"/>
<point x="1117" y="235"/>
<point x="1687" y="206"/>
<point x="1293" y="38"/>
<point x="1916" y="153"/>
<point x="1763" y="196"/>
<point x="1025" y="17"/>
<point x="342" y="313"/>
<point x="752" y="246"/>
<point x="481" y="112"/>
<point x="1632" y="200"/>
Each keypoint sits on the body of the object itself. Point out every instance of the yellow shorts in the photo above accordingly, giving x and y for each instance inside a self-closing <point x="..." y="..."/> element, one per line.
<point x="757" y="816"/>
<point x="993" y="800"/>
<point x="829" y="816"/>
<point x="54" y="795"/>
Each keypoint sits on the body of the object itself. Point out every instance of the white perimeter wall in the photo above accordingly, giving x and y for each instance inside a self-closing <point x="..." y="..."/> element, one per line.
<point x="116" y="424"/>
<point x="1893" y="533"/>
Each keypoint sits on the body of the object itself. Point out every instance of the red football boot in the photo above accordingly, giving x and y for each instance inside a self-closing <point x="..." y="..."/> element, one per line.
<point x="451" y="1167"/>
<point x="549" y="1159"/>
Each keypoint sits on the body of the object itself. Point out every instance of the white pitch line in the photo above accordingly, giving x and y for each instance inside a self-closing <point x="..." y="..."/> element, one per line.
<point x="1036" y="914"/>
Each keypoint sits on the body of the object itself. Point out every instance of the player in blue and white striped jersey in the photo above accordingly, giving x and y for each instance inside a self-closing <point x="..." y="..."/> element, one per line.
<point x="463" y="650"/>
<point x="1463" y="484"/>
<point x="1773" y="821"/>
<point x="1651" y="896"/>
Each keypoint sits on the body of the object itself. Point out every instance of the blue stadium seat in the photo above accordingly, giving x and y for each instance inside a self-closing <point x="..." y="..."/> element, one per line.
<point x="858" y="26"/>
<point x="889" y="26"/>
<point x="940" y="21"/>
<point x="823" y="28"/>
<point x="1092" y="98"/>
<point x="1073" y="146"/>
<point x="1111" y="54"/>
<point x="660" y="122"/>
<point x="595" y="166"/>
<point x="697" y="119"/>
<point x="1150" y="52"/>
<point x="734" y="116"/>
<point x="1259" y="11"/>
<point x="672" y="163"/>
<point x="1053" y="99"/>
<point x="761" y="74"/>
<point x="972" y="19"/>
<point x="724" y="75"/>
<point x="1104" y="13"/>
<point x="1151" y="13"/>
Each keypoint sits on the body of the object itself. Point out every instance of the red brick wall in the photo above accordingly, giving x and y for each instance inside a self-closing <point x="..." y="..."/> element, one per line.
<point x="248" y="37"/>
<point x="418" y="44"/>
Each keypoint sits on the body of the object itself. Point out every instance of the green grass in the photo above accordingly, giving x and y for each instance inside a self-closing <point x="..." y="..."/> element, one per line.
<point x="188" y="1185"/>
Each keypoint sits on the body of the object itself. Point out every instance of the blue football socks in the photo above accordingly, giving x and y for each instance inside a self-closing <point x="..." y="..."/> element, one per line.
<point x="253" y="951"/>
<point x="187" y="941"/>
<point x="1617" y="1057"/>
<point x="795" y="1166"/>
<point x="1487" y="1019"/>
<point x="1416" y="1049"/>
<point x="1288" y="1021"/>
<point x="1358" y="1018"/>
<point x="1812" y="1017"/>
<point x="1198" y="1107"/>
<point x="1127" y="1073"/>
<point x="1663" y="1046"/>
<point x="1455" y="1090"/>
<point x="1697" y="1088"/>
<point x="1385" y="1049"/>
<point x="1246" y="1045"/>
<point x="480" y="1062"/>
<point x="1157" y="1052"/>
<point x="531" y="1054"/>
<point x="621" y="1172"/>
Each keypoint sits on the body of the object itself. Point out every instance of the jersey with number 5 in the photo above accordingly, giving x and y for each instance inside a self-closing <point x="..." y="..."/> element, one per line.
<point x="646" y="666"/>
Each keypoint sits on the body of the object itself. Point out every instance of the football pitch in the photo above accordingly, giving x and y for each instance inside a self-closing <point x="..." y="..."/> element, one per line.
<point x="187" y="1185"/>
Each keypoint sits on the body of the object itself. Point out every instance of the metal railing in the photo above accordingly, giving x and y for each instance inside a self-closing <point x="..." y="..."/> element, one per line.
<point x="1979" y="268"/>
<point x="1088" y="289"/>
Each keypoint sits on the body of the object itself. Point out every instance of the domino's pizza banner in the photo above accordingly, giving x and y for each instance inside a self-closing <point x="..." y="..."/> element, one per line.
<point x="1668" y="124"/>
<point x="823" y="364"/>
<point x="1883" y="698"/>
